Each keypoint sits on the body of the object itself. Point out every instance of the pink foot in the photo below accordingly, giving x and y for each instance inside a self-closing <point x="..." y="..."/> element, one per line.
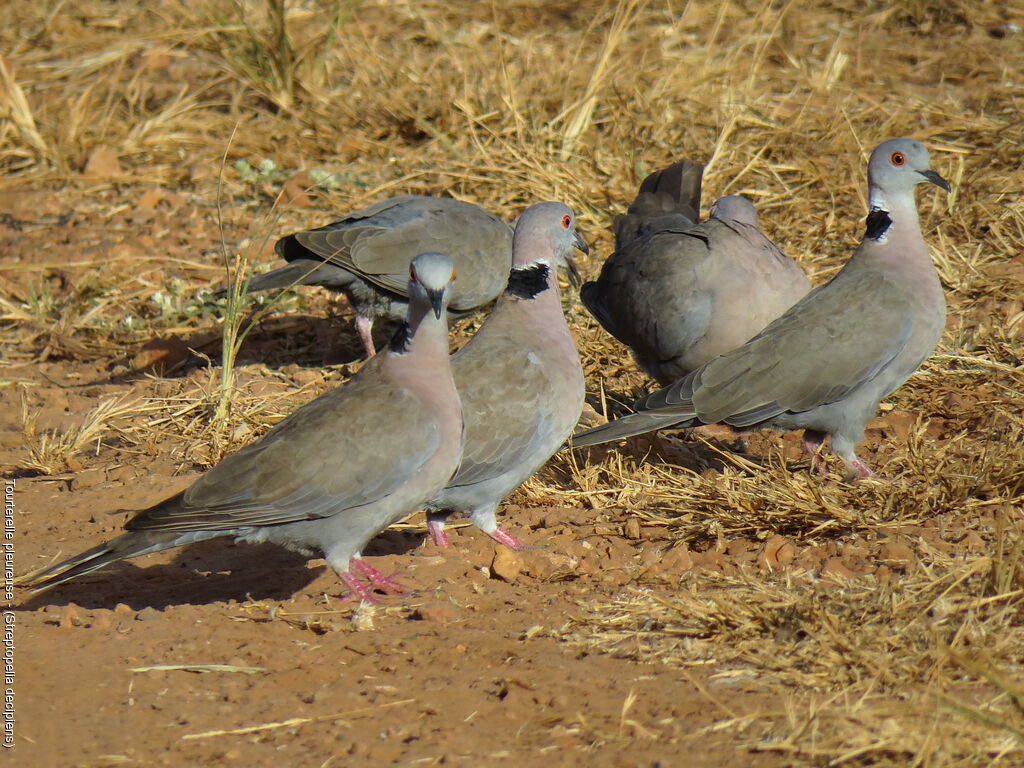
<point x="862" y="469"/>
<point x="364" y="326"/>
<point x="357" y="589"/>
<point x="863" y="472"/>
<point x="507" y="539"/>
<point x="378" y="580"/>
<point x="437" y="533"/>
<point x="813" y="448"/>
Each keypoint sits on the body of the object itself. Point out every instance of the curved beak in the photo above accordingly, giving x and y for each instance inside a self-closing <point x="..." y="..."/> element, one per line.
<point x="436" y="302"/>
<point x="579" y="243"/>
<point x="934" y="178"/>
<point x="575" y="278"/>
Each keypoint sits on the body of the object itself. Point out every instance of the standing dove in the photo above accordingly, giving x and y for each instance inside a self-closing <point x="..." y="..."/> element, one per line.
<point x="825" y="364"/>
<point x="519" y="378"/>
<point x="366" y="255"/>
<point x="678" y="293"/>
<point x="337" y="471"/>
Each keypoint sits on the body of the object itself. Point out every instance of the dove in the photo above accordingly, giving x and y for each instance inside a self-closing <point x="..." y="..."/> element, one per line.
<point x="519" y="378"/>
<point x="366" y="254"/>
<point x="827" y="362"/>
<point x="667" y="199"/>
<point x="336" y="472"/>
<point x="679" y="294"/>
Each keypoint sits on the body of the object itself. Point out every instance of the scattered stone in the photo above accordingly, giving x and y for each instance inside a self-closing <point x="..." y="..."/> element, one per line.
<point x="70" y="616"/>
<point x="836" y="567"/>
<point x="506" y="565"/>
<point x="632" y="528"/>
<point x="649" y="556"/>
<point x="121" y="474"/>
<point x="712" y="558"/>
<point x="88" y="478"/>
<point x="590" y="418"/>
<point x="677" y="560"/>
<point x="148" y="613"/>
<point x="151" y="199"/>
<point x="305" y="376"/>
<point x="972" y="542"/>
<point x="777" y="551"/>
<point x="103" y="620"/>
<point x="895" y="553"/>
<point x="295" y="189"/>
<point x="540" y="564"/>
<point x="900" y="423"/>
<point x="437" y="612"/>
<point x="161" y="356"/>
<point x="102" y="163"/>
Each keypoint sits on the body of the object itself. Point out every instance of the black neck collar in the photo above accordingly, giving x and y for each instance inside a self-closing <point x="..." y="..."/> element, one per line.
<point x="877" y="223"/>
<point x="526" y="282"/>
<point x="400" y="340"/>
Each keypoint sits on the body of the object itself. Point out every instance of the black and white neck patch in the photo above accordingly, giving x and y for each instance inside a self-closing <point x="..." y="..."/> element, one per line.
<point x="400" y="341"/>
<point x="526" y="282"/>
<point x="877" y="224"/>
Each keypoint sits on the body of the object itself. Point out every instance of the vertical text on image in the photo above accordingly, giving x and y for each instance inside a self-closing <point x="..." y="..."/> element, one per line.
<point x="7" y="716"/>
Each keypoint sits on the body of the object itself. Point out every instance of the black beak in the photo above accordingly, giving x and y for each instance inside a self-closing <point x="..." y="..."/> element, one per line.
<point x="935" y="179"/>
<point x="580" y="244"/>
<point x="437" y="302"/>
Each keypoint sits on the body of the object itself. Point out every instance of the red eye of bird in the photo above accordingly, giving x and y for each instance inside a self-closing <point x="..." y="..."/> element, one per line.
<point x="566" y="221"/>
<point x="898" y="159"/>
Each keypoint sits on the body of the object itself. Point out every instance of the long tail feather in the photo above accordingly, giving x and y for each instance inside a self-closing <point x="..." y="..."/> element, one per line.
<point x="127" y="545"/>
<point x="629" y="426"/>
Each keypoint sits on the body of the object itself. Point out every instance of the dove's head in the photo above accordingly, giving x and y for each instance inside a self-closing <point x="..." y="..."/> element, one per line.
<point x="897" y="166"/>
<point x="430" y="280"/>
<point x="734" y="208"/>
<point x="546" y="234"/>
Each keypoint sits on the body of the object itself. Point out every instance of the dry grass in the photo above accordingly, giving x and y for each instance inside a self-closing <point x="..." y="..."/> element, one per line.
<point x="507" y="103"/>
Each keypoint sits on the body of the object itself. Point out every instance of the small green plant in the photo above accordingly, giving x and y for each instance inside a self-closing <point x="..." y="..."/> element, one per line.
<point x="266" y="171"/>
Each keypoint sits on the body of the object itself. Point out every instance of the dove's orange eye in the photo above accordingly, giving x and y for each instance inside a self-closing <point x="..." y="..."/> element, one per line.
<point x="566" y="221"/>
<point x="898" y="159"/>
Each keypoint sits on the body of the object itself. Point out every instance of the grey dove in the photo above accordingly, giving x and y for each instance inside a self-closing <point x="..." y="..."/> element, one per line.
<point x="667" y="199"/>
<point x="519" y="378"/>
<point x="678" y="293"/>
<point x="366" y="255"/>
<point x="827" y="362"/>
<point x="337" y="471"/>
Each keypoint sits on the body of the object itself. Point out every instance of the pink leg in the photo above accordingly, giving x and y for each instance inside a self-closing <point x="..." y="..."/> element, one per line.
<point x="364" y="325"/>
<point x="437" y="533"/>
<point x="507" y="539"/>
<point x="378" y="580"/>
<point x="863" y="469"/>
<point x="357" y="589"/>
<point x="812" y="444"/>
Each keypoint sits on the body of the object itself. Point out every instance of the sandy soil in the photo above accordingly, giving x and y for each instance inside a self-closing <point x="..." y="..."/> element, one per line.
<point x="463" y="670"/>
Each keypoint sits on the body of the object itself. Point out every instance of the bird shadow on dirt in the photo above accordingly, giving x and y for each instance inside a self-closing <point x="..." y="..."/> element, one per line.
<point x="206" y="573"/>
